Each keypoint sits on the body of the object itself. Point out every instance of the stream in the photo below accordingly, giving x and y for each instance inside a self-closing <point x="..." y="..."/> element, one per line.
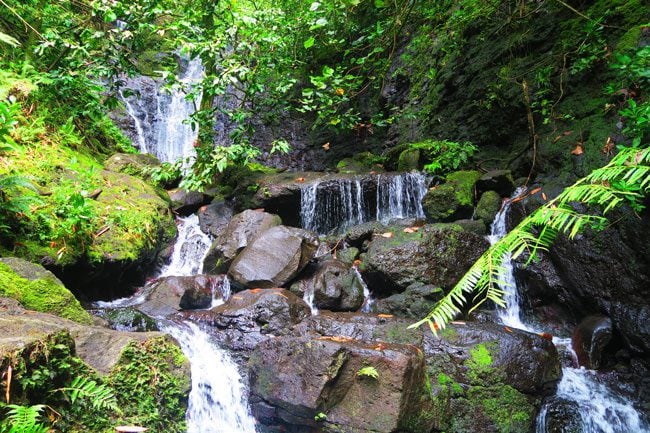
<point x="601" y="409"/>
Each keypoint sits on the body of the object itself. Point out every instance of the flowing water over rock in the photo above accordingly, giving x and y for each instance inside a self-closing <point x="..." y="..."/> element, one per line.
<point x="600" y="409"/>
<point x="217" y="401"/>
<point x="190" y="249"/>
<point x="337" y="204"/>
<point x="159" y="117"/>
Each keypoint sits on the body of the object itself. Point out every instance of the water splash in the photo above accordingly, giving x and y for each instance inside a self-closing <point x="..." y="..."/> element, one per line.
<point x="217" y="402"/>
<point x="190" y="249"/>
<point x="601" y="409"/>
<point x="308" y="297"/>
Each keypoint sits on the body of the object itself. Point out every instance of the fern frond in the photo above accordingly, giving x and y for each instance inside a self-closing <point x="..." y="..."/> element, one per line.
<point x="625" y="178"/>
<point x="24" y="419"/>
<point x="99" y="395"/>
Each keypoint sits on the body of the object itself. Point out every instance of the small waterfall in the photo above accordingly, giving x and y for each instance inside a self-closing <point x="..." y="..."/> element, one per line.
<point x="217" y="401"/>
<point x="308" y="297"/>
<point x="368" y="300"/>
<point x="601" y="409"/>
<point x="189" y="250"/>
<point x="159" y="117"/>
<point x="400" y="196"/>
<point x="335" y="204"/>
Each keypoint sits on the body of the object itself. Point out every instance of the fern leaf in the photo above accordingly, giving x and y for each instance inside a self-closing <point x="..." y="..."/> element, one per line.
<point x="626" y="177"/>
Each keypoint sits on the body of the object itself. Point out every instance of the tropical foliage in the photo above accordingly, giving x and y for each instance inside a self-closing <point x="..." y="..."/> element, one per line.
<point x="625" y="180"/>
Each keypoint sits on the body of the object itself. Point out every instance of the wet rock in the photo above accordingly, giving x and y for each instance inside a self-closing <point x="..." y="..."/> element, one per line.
<point x="301" y="378"/>
<point x="414" y="302"/>
<point x="561" y="416"/>
<point x="437" y="254"/>
<point x="187" y="202"/>
<point x="359" y="163"/>
<point x="167" y="295"/>
<point x="409" y="159"/>
<point x="335" y="286"/>
<point x="452" y="200"/>
<point x="488" y="206"/>
<point x="252" y="316"/>
<point x="241" y="229"/>
<point x="128" y="319"/>
<point x="477" y="227"/>
<point x="347" y="255"/>
<point x="589" y="340"/>
<point x="273" y="258"/>
<point x="500" y="181"/>
<point x="214" y="217"/>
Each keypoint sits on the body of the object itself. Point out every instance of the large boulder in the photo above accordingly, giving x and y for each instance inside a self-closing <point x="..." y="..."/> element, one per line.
<point x="334" y="285"/>
<point x="186" y="202"/>
<point x="167" y="295"/>
<point x="273" y="258"/>
<point x="214" y="217"/>
<point x="135" y="164"/>
<point x="437" y="255"/>
<point x="251" y="316"/>
<point x="38" y="289"/>
<point x="414" y="303"/>
<point x="337" y="384"/>
<point x="452" y="200"/>
<point x="488" y="206"/>
<point x="241" y="229"/>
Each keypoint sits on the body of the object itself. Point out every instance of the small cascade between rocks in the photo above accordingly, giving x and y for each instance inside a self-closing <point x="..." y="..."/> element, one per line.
<point x="336" y="204"/>
<point x="600" y="409"/>
<point x="164" y="134"/>
<point x="368" y="300"/>
<point x="190" y="249"/>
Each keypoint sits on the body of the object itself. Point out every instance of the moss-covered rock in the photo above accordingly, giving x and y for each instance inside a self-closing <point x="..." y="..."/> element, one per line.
<point x="359" y="163"/>
<point x="452" y="200"/>
<point x="409" y="159"/>
<point x="488" y="206"/>
<point x="135" y="164"/>
<point x="38" y="289"/>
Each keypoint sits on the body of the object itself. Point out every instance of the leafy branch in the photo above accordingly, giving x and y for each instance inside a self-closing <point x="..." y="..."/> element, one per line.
<point x="626" y="179"/>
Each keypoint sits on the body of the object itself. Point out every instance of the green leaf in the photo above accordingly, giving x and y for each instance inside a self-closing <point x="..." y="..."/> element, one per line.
<point x="309" y="42"/>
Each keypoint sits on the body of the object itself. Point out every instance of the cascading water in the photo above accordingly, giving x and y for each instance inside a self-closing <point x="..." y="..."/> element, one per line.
<point x="333" y="205"/>
<point x="190" y="249"/>
<point x="601" y="409"/>
<point x="368" y="300"/>
<point x="165" y="134"/>
<point x="400" y="196"/>
<point x="217" y="401"/>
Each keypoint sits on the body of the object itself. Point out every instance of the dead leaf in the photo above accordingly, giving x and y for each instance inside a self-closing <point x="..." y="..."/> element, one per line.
<point x="385" y="316"/>
<point x="340" y="91"/>
<point x="300" y="179"/>
<point x="544" y="197"/>
<point x="326" y="146"/>
<point x="535" y="191"/>
<point x="546" y="336"/>
<point x="411" y="229"/>
<point x="338" y="339"/>
<point x="567" y="133"/>
<point x="380" y="346"/>
<point x="457" y="322"/>
<point x="507" y="329"/>
<point x="579" y="150"/>
<point x="387" y="235"/>
<point x="556" y="139"/>
<point x="608" y="148"/>
<point x="256" y="290"/>
<point x="356" y="263"/>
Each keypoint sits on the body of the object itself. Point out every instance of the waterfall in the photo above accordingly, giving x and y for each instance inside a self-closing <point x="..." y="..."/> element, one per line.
<point x="335" y="204"/>
<point x="217" y="401"/>
<point x="400" y="196"/>
<point x="163" y="131"/>
<point x="601" y="409"/>
<point x="368" y="300"/>
<point x="189" y="250"/>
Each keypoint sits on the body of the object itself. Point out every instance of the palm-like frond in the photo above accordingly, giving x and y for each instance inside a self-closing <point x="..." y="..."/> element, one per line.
<point x="25" y="419"/>
<point x="99" y="395"/>
<point x="625" y="178"/>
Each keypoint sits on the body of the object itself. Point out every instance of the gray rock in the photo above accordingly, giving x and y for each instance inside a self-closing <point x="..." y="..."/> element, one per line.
<point x="500" y="181"/>
<point x="414" y="302"/>
<point x="168" y="295"/>
<point x="335" y="286"/>
<point x="273" y="258"/>
<point x="186" y="202"/>
<point x="241" y="229"/>
<point x="214" y="217"/>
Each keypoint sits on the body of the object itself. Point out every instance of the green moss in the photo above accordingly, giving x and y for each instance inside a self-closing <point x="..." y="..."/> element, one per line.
<point x="507" y="408"/>
<point x="463" y="183"/>
<point x="151" y="381"/>
<point x="480" y="357"/>
<point x="43" y="294"/>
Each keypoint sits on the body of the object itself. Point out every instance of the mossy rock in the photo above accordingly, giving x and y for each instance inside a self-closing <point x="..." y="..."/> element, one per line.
<point x="488" y="206"/>
<point x="135" y="164"/>
<point x="359" y="163"/>
<point x="452" y="200"/>
<point x="38" y="289"/>
<point x="409" y="160"/>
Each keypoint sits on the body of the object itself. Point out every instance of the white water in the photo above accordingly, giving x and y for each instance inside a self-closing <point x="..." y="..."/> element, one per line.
<point x="368" y="300"/>
<point x="400" y="196"/>
<point x="217" y="402"/>
<point x="189" y="250"/>
<point x="164" y="132"/>
<point x="601" y="409"/>
<point x="335" y="204"/>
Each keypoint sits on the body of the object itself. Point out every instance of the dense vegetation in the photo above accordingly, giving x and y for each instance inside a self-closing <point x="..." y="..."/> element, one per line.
<point x="543" y="87"/>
